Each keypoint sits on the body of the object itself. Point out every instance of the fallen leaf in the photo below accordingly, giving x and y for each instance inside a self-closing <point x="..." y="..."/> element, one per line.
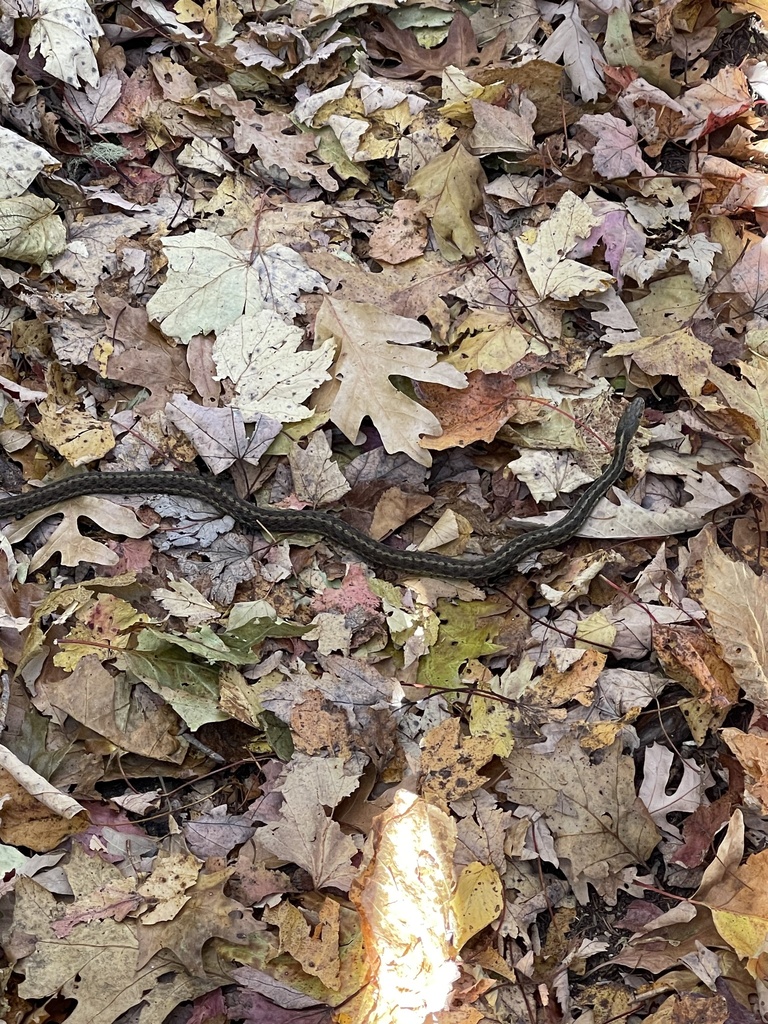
<point x="372" y="347"/>
<point x="449" y="190"/>
<point x="599" y="825"/>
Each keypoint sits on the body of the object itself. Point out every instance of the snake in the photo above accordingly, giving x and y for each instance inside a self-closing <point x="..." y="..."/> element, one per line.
<point x="269" y="520"/>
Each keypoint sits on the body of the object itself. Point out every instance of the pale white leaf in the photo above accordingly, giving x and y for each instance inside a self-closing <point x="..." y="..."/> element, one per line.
<point x="219" y="435"/>
<point x="180" y="598"/>
<point x="543" y="251"/>
<point x="316" y="477"/>
<point x="259" y="354"/>
<point x="581" y="55"/>
<point x="63" y="33"/>
<point x="500" y="130"/>
<point x="210" y="284"/>
<point x="22" y="162"/>
<point x="547" y="474"/>
<point x="30" y="229"/>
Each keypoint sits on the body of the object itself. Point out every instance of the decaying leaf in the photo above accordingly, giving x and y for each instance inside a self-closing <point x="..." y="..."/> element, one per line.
<point x="390" y="261"/>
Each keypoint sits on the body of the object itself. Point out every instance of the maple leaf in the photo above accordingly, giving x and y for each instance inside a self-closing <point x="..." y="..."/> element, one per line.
<point x="205" y="914"/>
<point x="274" y="136"/>
<point x="317" y="950"/>
<point x="372" y="347"/>
<point x="451" y="762"/>
<point x="500" y="130"/>
<point x="219" y="434"/>
<point x="599" y="825"/>
<point x="259" y="354"/>
<point x="717" y="102"/>
<point x="616" y="152"/>
<point x="91" y="695"/>
<point x="420" y="62"/>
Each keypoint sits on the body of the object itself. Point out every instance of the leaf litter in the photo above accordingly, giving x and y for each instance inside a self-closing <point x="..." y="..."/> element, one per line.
<point x="396" y="261"/>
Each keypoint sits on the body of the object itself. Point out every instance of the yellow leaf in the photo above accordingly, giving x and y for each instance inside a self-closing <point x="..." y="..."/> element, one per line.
<point x="478" y="900"/>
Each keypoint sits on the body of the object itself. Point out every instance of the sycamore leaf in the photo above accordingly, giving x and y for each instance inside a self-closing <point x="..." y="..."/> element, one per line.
<point x="304" y="833"/>
<point x="599" y="825"/>
<point x="219" y="435"/>
<point x="372" y="347"/>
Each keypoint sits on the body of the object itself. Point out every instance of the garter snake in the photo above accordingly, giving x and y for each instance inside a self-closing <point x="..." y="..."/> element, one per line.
<point x="257" y="517"/>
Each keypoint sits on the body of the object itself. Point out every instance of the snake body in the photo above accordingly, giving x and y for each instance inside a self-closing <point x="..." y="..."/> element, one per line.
<point x="274" y="520"/>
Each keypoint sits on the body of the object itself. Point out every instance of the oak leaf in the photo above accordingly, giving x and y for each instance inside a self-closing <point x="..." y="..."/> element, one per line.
<point x="66" y="539"/>
<point x="372" y="347"/>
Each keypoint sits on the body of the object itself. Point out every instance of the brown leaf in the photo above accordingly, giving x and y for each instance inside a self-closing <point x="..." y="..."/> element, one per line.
<point x="475" y="414"/>
<point x="599" y="825"/>
<point x="132" y="719"/>
<point x="459" y="49"/>
<point x="450" y="190"/>
<point x="208" y="913"/>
